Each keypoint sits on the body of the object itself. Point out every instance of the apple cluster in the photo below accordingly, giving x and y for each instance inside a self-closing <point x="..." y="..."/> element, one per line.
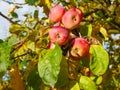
<point x="68" y="20"/>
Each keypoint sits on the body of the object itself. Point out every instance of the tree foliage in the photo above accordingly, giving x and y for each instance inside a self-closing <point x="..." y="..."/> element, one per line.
<point x="27" y="64"/>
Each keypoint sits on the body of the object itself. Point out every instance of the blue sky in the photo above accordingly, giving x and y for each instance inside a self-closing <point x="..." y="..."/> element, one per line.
<point x="4" y="7"/>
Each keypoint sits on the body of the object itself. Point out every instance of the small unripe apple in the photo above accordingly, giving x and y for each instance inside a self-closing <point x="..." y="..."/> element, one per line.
<point x="71" y="19"/>
<point x="56" y="13"/>
<point x="59" y="34"/>
<point x="79" y="47"/>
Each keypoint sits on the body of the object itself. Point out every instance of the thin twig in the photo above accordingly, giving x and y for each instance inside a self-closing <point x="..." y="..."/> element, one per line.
<point x="1" y="14"/>
<point x="14" y="2"/>
<point x="20" y="55"/>
<point x="19" y="44"/>
<point x="115" y="25"/>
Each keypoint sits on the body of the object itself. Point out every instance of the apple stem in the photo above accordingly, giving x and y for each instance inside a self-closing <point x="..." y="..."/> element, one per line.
<point x="80" y="35"/>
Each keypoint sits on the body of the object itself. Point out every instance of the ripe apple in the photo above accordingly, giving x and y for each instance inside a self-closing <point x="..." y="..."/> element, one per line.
<point x="72" y="18"/>
<point x="59" y="34"/>
<point x="79" y="47"/>
<point x="56" y="13"/>
<point x="51" y="45"/>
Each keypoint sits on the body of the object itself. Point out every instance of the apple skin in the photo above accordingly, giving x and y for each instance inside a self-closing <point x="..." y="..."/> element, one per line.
<point x="71" y="19"/>
<point x="59" y="34"/>
<point x="79" y="47"/>
<point x="88" y="56"/>
<point x="51" y="45"/>
<point x="56" y="13"/>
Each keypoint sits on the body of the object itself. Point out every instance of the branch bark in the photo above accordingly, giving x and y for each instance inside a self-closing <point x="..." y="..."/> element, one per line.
<point x="14" y="3"/>
<point x="1" y="14"/>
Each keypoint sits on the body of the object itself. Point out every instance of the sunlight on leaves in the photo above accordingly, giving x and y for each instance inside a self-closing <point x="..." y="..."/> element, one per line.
<point x="99" y="59"/>
<point x="104" y="33"/>
<point x="86" y="83"/>
<point x="49" y="65"/>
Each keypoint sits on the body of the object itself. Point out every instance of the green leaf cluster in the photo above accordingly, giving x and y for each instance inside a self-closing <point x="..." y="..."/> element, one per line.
<point x="5" y="49"/>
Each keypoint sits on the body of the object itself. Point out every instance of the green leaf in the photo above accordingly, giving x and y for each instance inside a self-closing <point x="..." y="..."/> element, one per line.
<point x="109" y="19"/>
<point x="1" y="41"/>
<point x="100" y="13"/>
<point x="5" y="48"/>
<point x="76" y="2"/>
<point x="99" y="59"/>
<point x="49" y="65"/>
<point x="14" y="15"/>
<point x="99" y="80"/>
<point x="4" y="56"/>
<point x="34" y="81"/>
<point x="36" y="13"/>
<point x="89" y="30"/>
<point x="86" y="83"/>
<point x="32" y="2"/>
<point x="12" y="40"/>
<point x="63" y="78"/>
<point x="75" y="87"/>
<point x="86" y="30"/>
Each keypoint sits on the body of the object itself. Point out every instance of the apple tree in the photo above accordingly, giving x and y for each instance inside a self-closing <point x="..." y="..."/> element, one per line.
<point x="75" y="46"/>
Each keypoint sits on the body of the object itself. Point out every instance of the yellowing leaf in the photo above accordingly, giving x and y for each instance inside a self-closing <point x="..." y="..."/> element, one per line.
<point x="16" y="28"/>
<point x="113" y="31"/>
<point x="31" y="19"/>
<point x="21" y="50"/>
<point x="48" y="3"/>
<point x="104" y="33"/>
<point x="11" y="10"/>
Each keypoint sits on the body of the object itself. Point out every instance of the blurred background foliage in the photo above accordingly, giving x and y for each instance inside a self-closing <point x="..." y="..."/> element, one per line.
<point x="19" y="52"/>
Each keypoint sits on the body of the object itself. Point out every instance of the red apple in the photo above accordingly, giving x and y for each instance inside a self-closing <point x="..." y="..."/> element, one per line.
<point x="72" y="18"/>
<point x="79" y="47"/>
<point x="51" y="45"/>
<point x="59" y="34"/>
<point x="56" y="13"/>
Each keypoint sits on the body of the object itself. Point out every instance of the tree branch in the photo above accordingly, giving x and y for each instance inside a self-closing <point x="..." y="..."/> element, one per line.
<point x="19" y="44"/>
<point x="7" y="18"/>
<point x="115" y="25"/>
<point x="1" y="14"/>
<point x="20" y="55"/>
<point x="14" y="2"/>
